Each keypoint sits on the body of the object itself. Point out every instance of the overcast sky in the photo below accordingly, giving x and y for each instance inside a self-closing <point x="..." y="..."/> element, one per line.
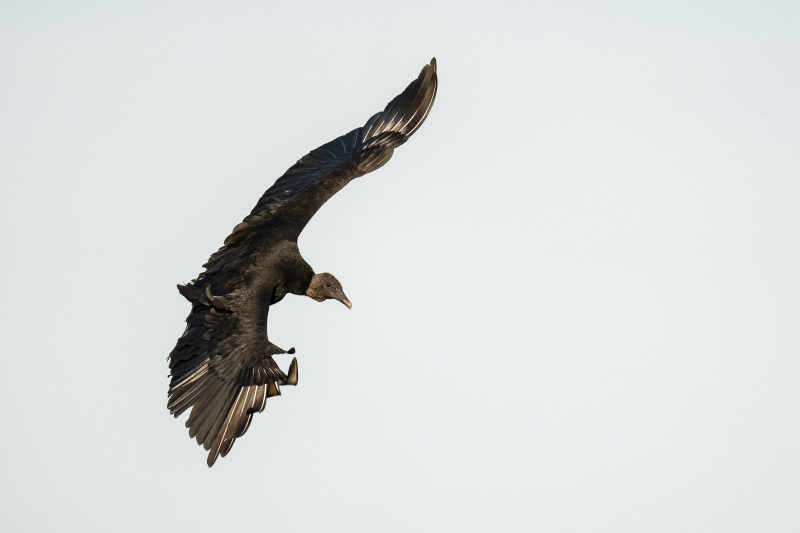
<point x="576" y="289"/>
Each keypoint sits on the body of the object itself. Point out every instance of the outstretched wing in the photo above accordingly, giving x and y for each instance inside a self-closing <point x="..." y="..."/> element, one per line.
<point x="222" y="366"/>
<point x="287" y="206"/>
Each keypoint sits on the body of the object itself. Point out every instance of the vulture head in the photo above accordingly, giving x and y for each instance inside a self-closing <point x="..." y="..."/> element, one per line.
<point x="326" y="287"/>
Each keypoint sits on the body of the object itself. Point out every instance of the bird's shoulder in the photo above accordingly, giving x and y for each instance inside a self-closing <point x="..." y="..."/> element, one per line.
<point x="279" y="264"/>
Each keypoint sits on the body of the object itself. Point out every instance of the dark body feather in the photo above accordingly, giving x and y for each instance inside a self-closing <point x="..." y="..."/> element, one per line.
<point x="222" y="367"/>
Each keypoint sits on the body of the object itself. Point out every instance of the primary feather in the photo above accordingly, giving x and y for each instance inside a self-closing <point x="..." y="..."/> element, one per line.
<point x="222" y="366"/>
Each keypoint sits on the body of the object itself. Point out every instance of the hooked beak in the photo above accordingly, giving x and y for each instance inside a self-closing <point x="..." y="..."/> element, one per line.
<point x="342" y="298"/>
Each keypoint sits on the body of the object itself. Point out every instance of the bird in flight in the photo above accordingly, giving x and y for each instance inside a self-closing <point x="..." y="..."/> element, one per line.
<point x="222" y="366"/>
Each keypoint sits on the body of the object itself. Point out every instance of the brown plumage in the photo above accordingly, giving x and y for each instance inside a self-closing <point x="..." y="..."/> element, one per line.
<point x="222" y="366"/>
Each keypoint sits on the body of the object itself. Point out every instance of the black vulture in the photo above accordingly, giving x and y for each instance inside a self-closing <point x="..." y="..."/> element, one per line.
<point x="222" y="365"/>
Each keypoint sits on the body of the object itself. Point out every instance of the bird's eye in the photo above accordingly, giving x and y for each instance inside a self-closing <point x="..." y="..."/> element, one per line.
<point x="328" y="284"/>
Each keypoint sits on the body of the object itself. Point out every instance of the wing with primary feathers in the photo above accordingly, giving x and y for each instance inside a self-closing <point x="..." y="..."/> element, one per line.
<point x="295" y="197"/>
<point x="222" y="366"/>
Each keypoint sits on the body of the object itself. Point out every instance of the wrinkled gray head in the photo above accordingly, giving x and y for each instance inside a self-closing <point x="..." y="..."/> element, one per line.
<point x="325" y="287"/>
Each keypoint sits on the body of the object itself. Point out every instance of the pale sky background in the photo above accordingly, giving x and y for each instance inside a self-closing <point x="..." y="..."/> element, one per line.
<point x="576" y="289"/>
